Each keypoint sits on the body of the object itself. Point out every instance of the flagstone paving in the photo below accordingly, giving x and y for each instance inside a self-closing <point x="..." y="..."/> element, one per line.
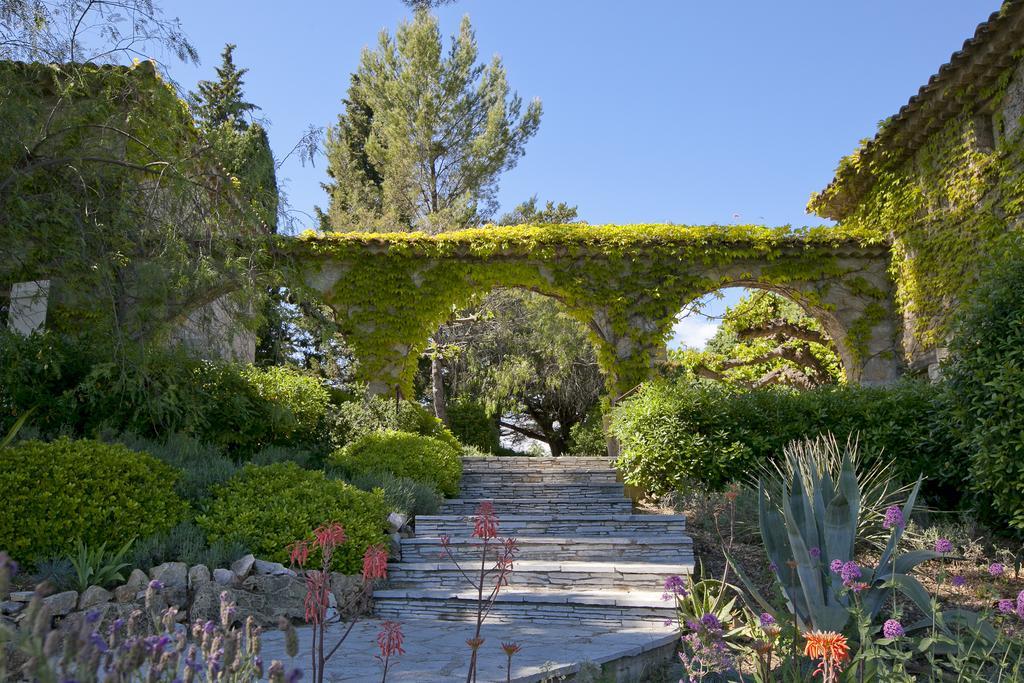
<point x="587" y="585"/>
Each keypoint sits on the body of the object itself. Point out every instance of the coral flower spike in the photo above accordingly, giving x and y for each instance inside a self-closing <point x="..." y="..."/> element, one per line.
<point x="831" y="651"/>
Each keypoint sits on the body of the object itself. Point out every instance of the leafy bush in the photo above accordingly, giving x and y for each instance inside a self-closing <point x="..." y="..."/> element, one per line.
<point x="588" y="436"/>
<point x="402" y="493"/>
<point x="187" y="543"/>
<point x="236" y="408"/>
<point x="275" y="454"/>
<point x="202" y="466"/>
<point x="675" y="431"/>
<point x="422" y="458"/>
<point x="986" y="381"/>
<point x="355" y="419"/>
<point x="472" y="425"/>
<point x="57" y="493"/>
<point x="270" y="506"/>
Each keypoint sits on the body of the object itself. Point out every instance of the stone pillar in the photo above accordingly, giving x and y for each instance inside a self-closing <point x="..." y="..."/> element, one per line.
<point x="27" y="313"/>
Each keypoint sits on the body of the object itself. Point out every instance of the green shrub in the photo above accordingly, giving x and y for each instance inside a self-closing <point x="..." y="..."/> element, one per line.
<point x="295" y="403"/>
<point x="402" y="493"/>
<point x="57" y="493"/>
<point x="422" y="458"/>
<point x="587" y="437"/>
<point x="275" y="454"/>
<point x="986" y="381"/>
<point x="676" y="431"/>
<point x="202" y="466"/>
<point x="355" y="419"/>
<point x="472" y="425"/>
<point x="187" y="543"/>
<point x="268" y="507"/>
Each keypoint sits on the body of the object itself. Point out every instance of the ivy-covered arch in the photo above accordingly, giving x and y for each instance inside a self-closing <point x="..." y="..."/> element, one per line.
<point x="391" y="291"/>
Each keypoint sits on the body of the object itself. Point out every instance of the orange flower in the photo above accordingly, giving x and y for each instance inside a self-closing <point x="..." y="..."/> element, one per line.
<point x="832" y="651"/>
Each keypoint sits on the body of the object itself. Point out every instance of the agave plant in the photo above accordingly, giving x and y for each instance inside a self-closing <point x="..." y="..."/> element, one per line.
<point x="816" y="521"/>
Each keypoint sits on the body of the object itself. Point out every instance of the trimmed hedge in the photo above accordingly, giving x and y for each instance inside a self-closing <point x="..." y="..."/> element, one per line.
<point x="986" y="381"/>
<point x="422" y="458"/>
<point x="673" y="432"/>
<point x="268" y="507"/>
<point x="55" y="493"/>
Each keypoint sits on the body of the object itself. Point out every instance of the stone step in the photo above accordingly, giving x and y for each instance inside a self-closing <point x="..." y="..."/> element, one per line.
<point x="583" y="505"/>
<point x="660" y="549"/>
<point x="614" y="608"/>
<point x="519" y="463"/>
<point x="558" y="575"/>
<point x="554" y="490"/>
<point x="603" y="476"/>
<point x="558" y="523"/>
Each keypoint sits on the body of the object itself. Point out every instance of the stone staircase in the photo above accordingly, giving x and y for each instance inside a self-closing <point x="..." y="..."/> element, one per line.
<point x="584" y="557"/>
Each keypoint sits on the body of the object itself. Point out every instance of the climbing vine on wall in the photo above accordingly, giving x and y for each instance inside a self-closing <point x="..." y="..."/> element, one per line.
<point x="950" y="208"/>
<point x="626" y="283"/>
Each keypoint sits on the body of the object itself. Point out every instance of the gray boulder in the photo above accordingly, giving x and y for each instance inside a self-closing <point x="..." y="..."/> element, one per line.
<point x="223" y="577"/>
<point x="197" y="575"/>
<point x="171" y="574"/>
<point x="11" y="607"/>
<point x="62" y="604"/>
<point x="398" y="521"/>
<point x="93" y="596"/>
<point x="243" y="566"/>
<point x="272" y="568"/>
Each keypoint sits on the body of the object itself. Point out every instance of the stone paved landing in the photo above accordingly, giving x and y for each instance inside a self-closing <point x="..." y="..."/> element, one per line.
<point x="586" y="586"/>
<point x="436" y="652"/>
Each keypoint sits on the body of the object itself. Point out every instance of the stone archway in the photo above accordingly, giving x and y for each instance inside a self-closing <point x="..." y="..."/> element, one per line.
<point x="391" y="291"/>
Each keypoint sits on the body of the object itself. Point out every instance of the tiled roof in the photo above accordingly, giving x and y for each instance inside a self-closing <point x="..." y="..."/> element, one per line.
<point x="971" y="69"/>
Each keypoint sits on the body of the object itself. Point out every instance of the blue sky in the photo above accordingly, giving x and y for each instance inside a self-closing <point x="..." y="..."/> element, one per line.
<point x="654" y="110"/>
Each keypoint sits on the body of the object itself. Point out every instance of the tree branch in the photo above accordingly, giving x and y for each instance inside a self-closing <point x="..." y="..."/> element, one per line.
<point x="783" y="329"/>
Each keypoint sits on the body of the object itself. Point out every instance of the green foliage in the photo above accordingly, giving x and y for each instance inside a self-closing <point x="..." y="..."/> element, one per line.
<point x="986" y="382"/>
<point x="60" y="492"/>
<point x="473" y="425"/>
<point x="675" y="431"/>
<point x="425" y="134"/>
<point x="422" y="458"/>
<point x="96" y="566"/>
<point x="588" y="437"/>
<point x="201" y="466"/>
<point x="221" y="101"/>
<point x="353" y="420"/>
<point x="186" y="543"/>
<point x="812" y="522"/>
<point x="403" y="494"/>
<point x="268" y="507"/>
<point x="626" y="281"/>
<point x="238" y="409"/>
<point x="82" y="149"/>
<point x="740" y="354"/>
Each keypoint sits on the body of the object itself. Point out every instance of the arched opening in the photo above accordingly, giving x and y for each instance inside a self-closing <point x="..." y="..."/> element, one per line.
<point x="517" y="371"/>
<point x="752" y="335"/>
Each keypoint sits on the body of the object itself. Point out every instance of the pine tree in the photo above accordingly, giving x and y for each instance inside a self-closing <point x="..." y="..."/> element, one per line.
<point x="425" y="134"/>
<point x="218" y="102"/>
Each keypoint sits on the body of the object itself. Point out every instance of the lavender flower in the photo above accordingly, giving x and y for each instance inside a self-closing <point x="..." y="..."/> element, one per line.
<point x="773" y="568"/>
<point x="893" y="518"/>
<point x="959" y="581"/>
<point x="156" y="584"/>
<point x="836" y="566"/>
<point x="849" y="573"/>
<point x="892" y="628"/>
<point x="674" y="585"/>
<point x="711" y="622"/>
<point x="943" y="546"/>
<point x="996" y="569"/>
<point x="1006" y="606"/>
<point x="1020" y="604"/>
<point x="766" y="620"/>
<point x="815" y="552"/>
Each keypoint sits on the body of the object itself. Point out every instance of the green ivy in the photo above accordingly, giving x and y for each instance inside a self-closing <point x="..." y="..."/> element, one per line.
<point x="393" y="290"/>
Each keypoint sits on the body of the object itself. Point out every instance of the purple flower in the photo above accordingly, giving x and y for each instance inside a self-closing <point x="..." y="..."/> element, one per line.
<point x="1006" y="606"/>
<point x="892" y="628"/>
<point x="836" y="566"/>
<point x="996" y="569"/>
<point x="156" y="584"/>
<point x="209" y="627"/>
<point x="674" y="585"/>
<point x="959" y="581"/>
<point x="815" y="552"/>
<point x="295" y="675"/>
<point x="894" y="517"/>
<point x="773" y="568"/>
<point x="92" y="616"/>
<point x="97" y="641"/>
<point x="1020" y="604"/>
<point x="849" y="572"/>
<point x="711" y="622"/>
<point x="943" y="546"/>
<point x="766" y="619"/>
